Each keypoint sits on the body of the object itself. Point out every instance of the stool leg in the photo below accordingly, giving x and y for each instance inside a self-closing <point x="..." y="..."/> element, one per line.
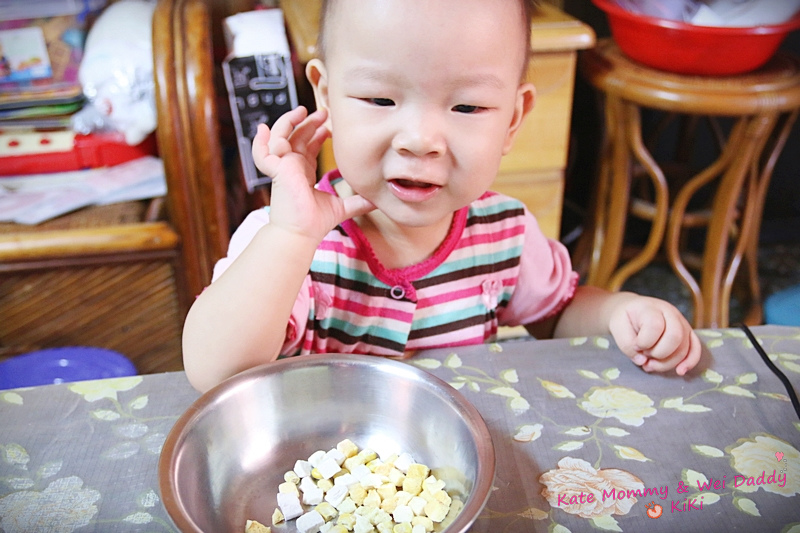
<point x="746" y="154"/>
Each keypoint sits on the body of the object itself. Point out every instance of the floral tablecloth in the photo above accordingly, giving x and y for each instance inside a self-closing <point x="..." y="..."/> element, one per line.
<point x="585" y="441"/>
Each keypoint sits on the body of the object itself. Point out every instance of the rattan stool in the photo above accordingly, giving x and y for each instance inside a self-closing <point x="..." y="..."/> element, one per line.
<point x="762" y="106"/>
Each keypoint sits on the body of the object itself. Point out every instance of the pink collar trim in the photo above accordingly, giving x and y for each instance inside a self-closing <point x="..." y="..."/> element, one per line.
<point x="402" y="277"/>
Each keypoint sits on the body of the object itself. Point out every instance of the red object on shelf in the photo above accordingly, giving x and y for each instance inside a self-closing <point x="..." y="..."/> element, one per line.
<point x="88" y="151"/>
<point x="684" y="48"/>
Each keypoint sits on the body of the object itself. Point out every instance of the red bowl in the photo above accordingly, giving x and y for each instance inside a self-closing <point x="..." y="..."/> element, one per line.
<point x="684" y="48"/>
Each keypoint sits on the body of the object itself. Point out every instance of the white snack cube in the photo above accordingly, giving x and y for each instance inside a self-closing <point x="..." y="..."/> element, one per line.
<point x="307" y="483"/>
<point x="360" y="471"/>
<point x="417" y="505"/>
<point x="345" y="479"/>
<point x="290" y="505"/>
<point x="327" y="467"/>
<point x="402" y="513"/>
<point x="404" y="460"/>
<point x="336" y="455"/>
<point x="302" y="468"/>
<point x="309" y="522"/>
<point x="315" y="458"/>
<point x="336" y="495"/>
<point x="313" y="496"/>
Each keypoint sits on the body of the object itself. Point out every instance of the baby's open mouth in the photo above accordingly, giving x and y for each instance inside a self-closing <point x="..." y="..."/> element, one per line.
<point x="412" y="184"/>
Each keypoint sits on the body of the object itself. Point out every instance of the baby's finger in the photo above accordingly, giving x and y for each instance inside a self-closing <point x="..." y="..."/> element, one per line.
<point x="287" y="122"/>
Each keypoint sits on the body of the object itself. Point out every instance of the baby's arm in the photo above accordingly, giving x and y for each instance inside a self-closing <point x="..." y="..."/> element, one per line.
<point x="240" y="320"/>
<point x="652" y="332"/>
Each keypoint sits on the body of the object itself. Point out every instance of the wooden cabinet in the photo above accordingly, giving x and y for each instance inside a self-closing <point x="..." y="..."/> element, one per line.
<point x="534" y="169"/>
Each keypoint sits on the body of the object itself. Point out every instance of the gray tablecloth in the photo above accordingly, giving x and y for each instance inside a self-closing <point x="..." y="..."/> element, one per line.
<point x="585" y="441"/>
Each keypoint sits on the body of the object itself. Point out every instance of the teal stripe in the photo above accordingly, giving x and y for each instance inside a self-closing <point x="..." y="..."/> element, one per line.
<point x="486" y="208"/>
<point x="353" y="274"/>
<point x="456" y="314"/>
<point x="358" y="331"/>
<point x="476" y="260"/>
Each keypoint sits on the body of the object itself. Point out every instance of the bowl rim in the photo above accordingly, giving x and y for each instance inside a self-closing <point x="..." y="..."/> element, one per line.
<point x="612" y="8"/>
<point x="486" y="470"/>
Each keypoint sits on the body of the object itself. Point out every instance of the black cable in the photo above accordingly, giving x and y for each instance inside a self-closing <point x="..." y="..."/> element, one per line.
<point x="775" y="370"/>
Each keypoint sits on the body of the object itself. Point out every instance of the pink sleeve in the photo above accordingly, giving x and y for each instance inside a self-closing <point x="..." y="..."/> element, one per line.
<point x="295" y="329"/>
<point x="546" y="282"/>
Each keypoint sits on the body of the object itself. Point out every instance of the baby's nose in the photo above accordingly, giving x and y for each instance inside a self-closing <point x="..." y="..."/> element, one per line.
<point x="420" y="133"/>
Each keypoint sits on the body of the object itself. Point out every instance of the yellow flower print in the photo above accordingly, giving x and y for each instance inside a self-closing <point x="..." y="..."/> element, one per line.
<point x="624" y="404"/>
<point x="576" y="477"/>
<point x="104" y="388"/>
<point x="60" y="508"/>
<point x="756" y="456"/>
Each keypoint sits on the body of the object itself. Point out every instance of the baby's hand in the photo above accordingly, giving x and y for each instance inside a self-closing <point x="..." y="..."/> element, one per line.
<point x="655" y="335"/>
<point x="288" y="154"/>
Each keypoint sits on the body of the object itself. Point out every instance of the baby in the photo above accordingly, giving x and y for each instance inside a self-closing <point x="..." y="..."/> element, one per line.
<point x="402" y="248"/>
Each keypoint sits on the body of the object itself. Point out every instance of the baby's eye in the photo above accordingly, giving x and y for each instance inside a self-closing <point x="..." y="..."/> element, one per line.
<point x="382" y="102"/>
<point x="463" y="108"/>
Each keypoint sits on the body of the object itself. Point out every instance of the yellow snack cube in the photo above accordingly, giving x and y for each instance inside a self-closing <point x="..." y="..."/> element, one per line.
<point x="277" y="517"/>
<point x="347" y="448"/>
<point x="338" y="529"/>
<point x="358" y="493"/>
<point x="396" y="477"/>
<point x="373" y="499"/>
<point x="412" y="485"/>
<point x="287" y="487"/>
<point x="386" y="490"/>
<point x="432" y="484"/>
<point x="325" y="484"/>
<point x="436" y="510"/>
<point x="291" y="477"/>
<point x="423" y="521"/>
<point x="326" y="510"/>
<point x="389" y="504"/>
<point x="385" y="527"/>
<point x="405" y="527"/>
<point x="417" y="470"/>
<point x="253" y="526"/>
<point x="347" y="520"/>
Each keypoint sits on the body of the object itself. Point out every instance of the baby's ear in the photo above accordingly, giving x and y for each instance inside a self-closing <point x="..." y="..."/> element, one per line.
<point x="526" y="98"/>
<point x="317" y="75"/>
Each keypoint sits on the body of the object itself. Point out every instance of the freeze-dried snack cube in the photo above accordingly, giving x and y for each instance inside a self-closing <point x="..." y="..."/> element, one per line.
<point x="347" y="506"/>
<point x="436" y="510"/>
<point x="292" y="477"/>
<point x="385" y="527"/>
<point x="381" y="468"/>
<point x="404" y="497"/>
<point x="373" y="499"/>
<point x="316" y="457"/>
<point x="372" y="481"/>
<point x="345" y="479"/>
<point x="287" y="487"/>
<point x="423" y="521"/>
<point x="404" y="460"/>
<point x="360" y="472"/>
<point x="412" y="485"/>
<point x="405" y="527"/>
<point x="327" y="467"/>
<point x="347" y="520"/>
<point x="302" y="468"/>
<point x="347" y="448"/>
<point x="336" y="495"/>
<point x="313" y="496"/>
<point x="387" y="489"/>
<point x="396" y="477"/>
<point x="325" y="484"/>
<point x="309" y="522"/>
<point x="363" y="525"/>
<point x="390" y="503"/>
<point x="431" y="484"/>
<point x="380" y="516"/>
<point x="417" y="470"/>
<point x="358" y="493"/>
<point x="289" y="505"/>
<point x="336" y="455"/>
<point x="443" y="497"/>
<point x="277" y="517"/>
<point x="253" y="526"/>
<point x="336" y="528"/>
<point x="417" y="529"/>
<point x="417" y="505"/>
<point x="403" y="513"/>
<point x="327" y="510"/>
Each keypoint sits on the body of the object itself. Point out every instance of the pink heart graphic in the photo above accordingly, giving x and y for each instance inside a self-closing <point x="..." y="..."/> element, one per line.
<point x="779" y="456"/>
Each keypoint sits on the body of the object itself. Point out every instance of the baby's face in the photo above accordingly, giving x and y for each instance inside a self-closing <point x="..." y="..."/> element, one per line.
<point x="424" y="99"/>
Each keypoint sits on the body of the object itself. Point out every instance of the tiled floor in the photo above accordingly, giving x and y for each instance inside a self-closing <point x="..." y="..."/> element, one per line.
<point x="779" y="268"/>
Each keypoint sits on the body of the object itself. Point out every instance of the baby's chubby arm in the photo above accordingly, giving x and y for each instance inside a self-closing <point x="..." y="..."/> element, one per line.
<point x="652" y="332"/>
<point x="240" y="320"/>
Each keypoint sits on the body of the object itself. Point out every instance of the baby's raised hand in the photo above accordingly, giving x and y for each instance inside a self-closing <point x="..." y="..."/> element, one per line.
<point x="288" y="154"/>
<point x="655" y="335"/>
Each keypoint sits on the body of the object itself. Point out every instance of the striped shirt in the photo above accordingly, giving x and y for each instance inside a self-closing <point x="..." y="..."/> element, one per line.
<point x="494" y="267"/>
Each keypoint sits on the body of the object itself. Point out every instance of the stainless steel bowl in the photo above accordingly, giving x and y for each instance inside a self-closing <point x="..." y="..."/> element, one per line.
<point x="224" y="458"/>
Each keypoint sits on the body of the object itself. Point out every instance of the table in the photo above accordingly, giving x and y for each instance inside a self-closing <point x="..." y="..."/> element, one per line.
<point x="569" y="417"/>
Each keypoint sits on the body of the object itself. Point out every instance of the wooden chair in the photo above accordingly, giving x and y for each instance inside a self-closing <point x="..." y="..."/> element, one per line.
<point x="123" y="276"/>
